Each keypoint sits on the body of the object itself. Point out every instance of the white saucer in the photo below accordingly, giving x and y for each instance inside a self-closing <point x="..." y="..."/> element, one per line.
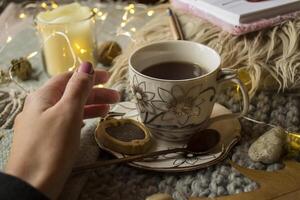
<point x="230" y="134"/>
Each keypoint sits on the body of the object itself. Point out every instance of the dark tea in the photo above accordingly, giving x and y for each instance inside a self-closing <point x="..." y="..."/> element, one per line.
<point x="174" y="70"/>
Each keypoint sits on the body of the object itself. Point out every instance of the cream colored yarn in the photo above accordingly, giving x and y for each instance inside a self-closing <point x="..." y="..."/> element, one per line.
<point x="271" y="56"/>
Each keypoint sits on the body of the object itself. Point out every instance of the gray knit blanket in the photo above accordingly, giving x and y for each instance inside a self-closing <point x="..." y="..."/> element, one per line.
<point x="123" y="182"/>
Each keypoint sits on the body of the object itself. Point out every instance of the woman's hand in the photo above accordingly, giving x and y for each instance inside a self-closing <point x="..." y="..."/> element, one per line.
<point x="47" y="131"/>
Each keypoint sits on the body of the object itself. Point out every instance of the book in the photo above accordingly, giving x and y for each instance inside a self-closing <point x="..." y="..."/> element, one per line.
<point x="236" y="12"/>
<point x="238" y="26"/>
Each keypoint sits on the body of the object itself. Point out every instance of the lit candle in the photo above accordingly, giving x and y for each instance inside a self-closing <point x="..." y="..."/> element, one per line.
<point x="67" y="34"/>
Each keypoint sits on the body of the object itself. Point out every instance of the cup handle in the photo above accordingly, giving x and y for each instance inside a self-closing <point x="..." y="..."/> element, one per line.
<point x="229" y="75"/>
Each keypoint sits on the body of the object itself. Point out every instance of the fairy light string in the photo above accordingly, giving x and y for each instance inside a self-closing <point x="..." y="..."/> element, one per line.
<point x="130" y="11"/>
<point x="30" y="9"/>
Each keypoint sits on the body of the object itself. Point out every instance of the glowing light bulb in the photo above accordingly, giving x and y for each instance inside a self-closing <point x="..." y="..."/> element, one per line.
<point x="99" y="86"/>
<point x="71" y="69"/>
<point x="103" y="17"/>
<point x="82" y="51"/>
<point x="131" y="6"/>
<point x="44" y="5"/>
<point x="131" y="11"/>
<point x="100" y="13"/>
<point x="31" y="55"/>
<point x="8" y="40"/>
<point x="124" y="16"/>
<point x="22" y="16"/>
<point x="54" y="5"/>
<point x="95" y="10"/>
<point x="150" y="13"/>
<point x="77" y="46"/>
<point x="123" y="24"/>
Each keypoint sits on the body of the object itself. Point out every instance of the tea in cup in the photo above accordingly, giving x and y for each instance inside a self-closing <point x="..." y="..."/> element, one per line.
<point x="175" y="85"/>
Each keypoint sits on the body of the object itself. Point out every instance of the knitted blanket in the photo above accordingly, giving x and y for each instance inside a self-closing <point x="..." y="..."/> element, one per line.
<point x="123" y="182"/>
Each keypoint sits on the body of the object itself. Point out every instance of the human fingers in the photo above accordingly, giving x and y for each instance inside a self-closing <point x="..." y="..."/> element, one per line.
<point x="103" y="96"/>
<point x="51" y="92"/>
<point x="57" y="84"/>
<point x="101" y="77"/>
<point x="92" y="111"/>
<point x="78" y="88"/>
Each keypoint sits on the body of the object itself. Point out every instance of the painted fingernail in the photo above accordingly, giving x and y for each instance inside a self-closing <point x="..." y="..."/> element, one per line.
<point x="86" y="67"/>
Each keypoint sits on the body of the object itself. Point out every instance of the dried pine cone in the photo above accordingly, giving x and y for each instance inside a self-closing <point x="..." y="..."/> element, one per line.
<point x="107" y="52"/>
<point x="21" y="68"/>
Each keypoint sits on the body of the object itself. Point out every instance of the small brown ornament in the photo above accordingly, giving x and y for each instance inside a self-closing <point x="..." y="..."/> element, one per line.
<point x="4" y="78"/>
<point x="21" y="68"/>
<point x="107" y="52"/>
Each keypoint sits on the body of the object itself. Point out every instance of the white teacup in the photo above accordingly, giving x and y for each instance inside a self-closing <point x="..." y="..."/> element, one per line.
<point x="176" y="109"/>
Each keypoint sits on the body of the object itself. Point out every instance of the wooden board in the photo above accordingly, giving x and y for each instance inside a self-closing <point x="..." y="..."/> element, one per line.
<point x="279" y="185"/>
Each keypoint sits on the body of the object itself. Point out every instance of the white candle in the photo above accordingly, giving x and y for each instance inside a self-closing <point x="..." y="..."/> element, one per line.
<point x="67" y="33"/>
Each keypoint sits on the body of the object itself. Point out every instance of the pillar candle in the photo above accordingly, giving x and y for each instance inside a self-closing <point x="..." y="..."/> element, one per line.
<point x="67" y="36"/>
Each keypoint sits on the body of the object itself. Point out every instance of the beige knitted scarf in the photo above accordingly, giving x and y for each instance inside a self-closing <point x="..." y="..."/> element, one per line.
<point x="270" y="58"/>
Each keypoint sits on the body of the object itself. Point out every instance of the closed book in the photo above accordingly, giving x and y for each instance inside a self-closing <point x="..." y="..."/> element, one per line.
<point x="242" y="11"/>
<point x="234" y="23"/>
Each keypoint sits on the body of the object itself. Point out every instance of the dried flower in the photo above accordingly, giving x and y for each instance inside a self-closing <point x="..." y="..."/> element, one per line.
<point x="21" y="68"/>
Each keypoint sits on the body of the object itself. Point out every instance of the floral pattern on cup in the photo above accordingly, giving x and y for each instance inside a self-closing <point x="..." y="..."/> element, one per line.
<point x="142" y="97"/>
<point x="181" y="105"/>
<point x="184" y="106"/>
<point x="177" y="105"/>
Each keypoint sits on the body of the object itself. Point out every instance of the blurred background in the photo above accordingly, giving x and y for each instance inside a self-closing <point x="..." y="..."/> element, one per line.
<point x="3" y="3"/>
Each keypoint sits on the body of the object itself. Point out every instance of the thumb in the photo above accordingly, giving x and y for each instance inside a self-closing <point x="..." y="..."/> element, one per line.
<point x="79" y="86"/>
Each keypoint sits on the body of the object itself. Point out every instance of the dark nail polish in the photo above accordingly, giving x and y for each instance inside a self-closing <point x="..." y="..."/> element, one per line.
<point x="86" y="67"/>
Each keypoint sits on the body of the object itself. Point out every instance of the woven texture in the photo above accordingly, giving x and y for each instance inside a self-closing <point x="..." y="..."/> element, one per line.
<point x="122" y="182"/>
